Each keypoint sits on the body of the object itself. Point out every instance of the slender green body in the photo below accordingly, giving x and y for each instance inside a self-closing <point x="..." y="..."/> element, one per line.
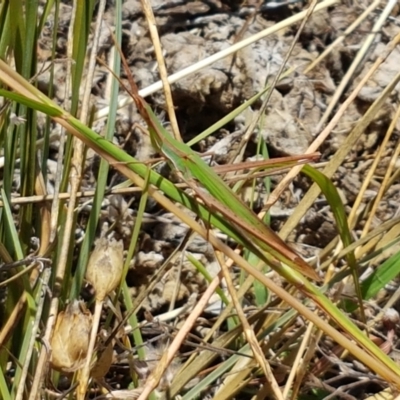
<point x="194" y="170"/>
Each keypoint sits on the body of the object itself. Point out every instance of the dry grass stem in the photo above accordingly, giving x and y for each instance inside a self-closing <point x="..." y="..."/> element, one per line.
<point x="161" y="66"/>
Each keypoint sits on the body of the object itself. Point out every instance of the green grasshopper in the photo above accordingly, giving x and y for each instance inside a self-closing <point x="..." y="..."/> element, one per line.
<point x="217" y="194"/>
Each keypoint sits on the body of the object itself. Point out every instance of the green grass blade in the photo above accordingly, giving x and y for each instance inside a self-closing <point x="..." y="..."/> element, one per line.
<point x="335" y="202"/>
<point x="261" y="293"/>
<point x="83" y="19"/>
<point x="31" y="34"/>
<point x="50" y="110"/>
<point x="47" y="129"/>
<point x="6" y="33"/>
<point x="17" y="29"/>
<point x="385" y="273"/>
<point x="133" y="320"/>
<point x="4" y="392"/>
<point x="12" y="240"/>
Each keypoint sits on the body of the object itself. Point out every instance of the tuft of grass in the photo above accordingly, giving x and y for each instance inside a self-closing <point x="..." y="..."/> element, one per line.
<point x="52" y="269"/>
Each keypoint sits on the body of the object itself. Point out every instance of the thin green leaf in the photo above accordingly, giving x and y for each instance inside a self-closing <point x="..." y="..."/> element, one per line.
<point x="335" y="202"/>
<point x="384" y="274"/>
<point x="34" y="104"/>
<point x="5" y="393"/>
<point x="203" y="271"/>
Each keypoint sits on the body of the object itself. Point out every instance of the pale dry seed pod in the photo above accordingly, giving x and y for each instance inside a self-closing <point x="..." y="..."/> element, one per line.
<point x="105" y="266"/>
<point x="70" y="340"/>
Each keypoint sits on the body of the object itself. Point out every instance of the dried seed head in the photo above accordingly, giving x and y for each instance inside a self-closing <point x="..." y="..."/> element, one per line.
<point x="70" y="339"/>
<point x="105" y="266"/>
